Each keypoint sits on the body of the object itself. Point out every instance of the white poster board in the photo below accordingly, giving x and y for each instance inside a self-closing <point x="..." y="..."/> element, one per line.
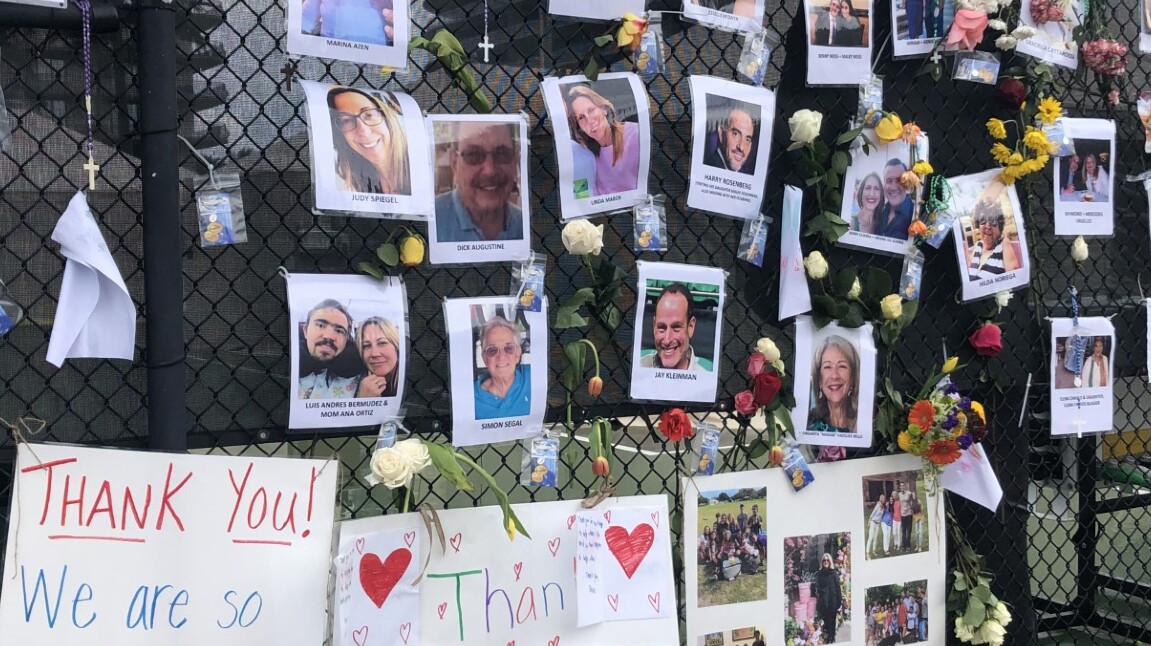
<point x="991" y="257"/>
<point x="834" y="384"/>
<point x="730" y="146"/>
<point x="839" y="36"/>
<point x="793" y="538"/>
<point x="137" y="549"/>
<point x="1084" y="183"/>
<point x="794" y="292"/>
<point x="376" y="33"/>
<point x="1054" y="40"/>
<point x="1082" y="381"/>
<point x="732" y="15"/>
<point x="595" y="9"/>
<point x="484" y="589"/>
<point x="875" y="205"/>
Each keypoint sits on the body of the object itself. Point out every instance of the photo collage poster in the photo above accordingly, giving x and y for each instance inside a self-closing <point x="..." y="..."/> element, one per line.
<point x="369" y="151"/>
<point x="730" y="146"/>
<point x="482" y="213"/>
<point x="595" y="9"/>
<point x="919" y="24"/>
<point x="990" y="240"/>
<point x="1082" y="377"/>
<point x="1084" y="182"/>
<point x="834" y="384"/>
<point x="731" y="15"/>
<point x="758" y="560"/>
<point x="1054" y="40"/>
<point x="375" y="33"/>
<point x="349" y="350"/>
<point x="602" y="134"/>
<point x="499" y="369"/>
<point x="678" y="323"/>
<point x="876" y="207"/>
<point x="839" y="41"/>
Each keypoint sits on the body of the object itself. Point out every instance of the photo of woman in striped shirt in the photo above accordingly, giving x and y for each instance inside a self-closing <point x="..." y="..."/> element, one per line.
<point x="992" y="254"/>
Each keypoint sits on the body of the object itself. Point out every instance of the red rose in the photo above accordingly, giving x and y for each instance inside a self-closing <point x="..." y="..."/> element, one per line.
<point x="675" y="425"/>
<point x="755" y="364"/>
<point x="987" y="340"/>
<point x="745" y="403"/>
<point x="766" y="387"/>
<point x="1010" y="93"/>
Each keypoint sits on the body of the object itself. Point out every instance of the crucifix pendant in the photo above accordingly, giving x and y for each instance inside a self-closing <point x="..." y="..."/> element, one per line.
<point x="92" y="167"/>
<point x="487" y="46"/>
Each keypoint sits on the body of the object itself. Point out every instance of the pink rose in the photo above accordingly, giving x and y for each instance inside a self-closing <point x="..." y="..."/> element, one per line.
<point x="755" y="364"/>
<point x="745" y="403"/>
<point x="987" y="341"/>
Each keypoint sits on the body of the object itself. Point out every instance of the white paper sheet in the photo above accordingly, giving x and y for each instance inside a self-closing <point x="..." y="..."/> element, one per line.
<point x="95" y="316"/>
<point x="1053" y="41"/>
<point x="1007" y="265"/>
<point x="377" y="601"/>
<point x="621" y="564"/>
<point x="1088" y="407"/>
<point x="834" y="370"/>
<point x="732" y="15"/>
<point x="595" y="9"/>
<point x="885" y="230"/>
<point x="731" y="124"/>
<point x="973" y="477"/>
<point x="794" y="292"/>
<point x="1085" y="196"/>
<point x="355" y="32"/>
<point x="839" y="49"/>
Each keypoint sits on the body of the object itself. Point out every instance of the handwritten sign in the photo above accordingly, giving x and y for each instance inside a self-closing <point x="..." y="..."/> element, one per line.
<point x="484" y="589"/>
<point x="132" y="548"/>
<point x="621" y="555"/>
<point x="377" y="601"/>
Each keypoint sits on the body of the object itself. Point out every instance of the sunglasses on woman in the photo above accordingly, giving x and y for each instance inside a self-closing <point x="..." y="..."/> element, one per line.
<point x="370" y="117"/>
<point x="509" y="349"/>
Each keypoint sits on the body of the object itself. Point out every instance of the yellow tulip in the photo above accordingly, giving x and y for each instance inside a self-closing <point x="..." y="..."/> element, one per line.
<point x="890" y="128"/>
<point x="950" y="364"/>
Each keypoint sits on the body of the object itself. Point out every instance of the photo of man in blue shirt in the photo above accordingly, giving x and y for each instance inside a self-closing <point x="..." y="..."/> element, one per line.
<point x="485" y="165"/>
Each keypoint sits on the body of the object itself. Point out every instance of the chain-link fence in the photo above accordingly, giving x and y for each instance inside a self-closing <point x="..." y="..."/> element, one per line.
<point x="1068" y="543"/>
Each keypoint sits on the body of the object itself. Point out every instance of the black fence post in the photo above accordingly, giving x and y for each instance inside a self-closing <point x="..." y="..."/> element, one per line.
<point x="163" y="262"/>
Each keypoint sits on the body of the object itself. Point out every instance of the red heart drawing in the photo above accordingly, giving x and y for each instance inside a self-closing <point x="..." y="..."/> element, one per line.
<point x="654" y="518"/>
<point x="518" y="567"/>
<point x="571" y="521"/>
<point x="654" y="601"/>
<point x="409" y="538"/>
<point x="607" y="515"/>
<point x="629" y="548"/>
<point x="360" y="545"/>
<point x="554" y="642"/>
<point x="360" y="637"/>
<point x="456" y="540"/>
<point x="377" y="578"/>
<point x="613" y="601"/>
<point x="554" y="545"/>
<point x="442" y="608"/>
<point x="406" y="630"/>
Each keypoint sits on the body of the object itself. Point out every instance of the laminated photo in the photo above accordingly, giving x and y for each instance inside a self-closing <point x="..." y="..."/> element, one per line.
<point x="1084" y="182"/>
<point x="919" y="24"/>
<point x="678" y="323"/>
<point x="481" y="185"/>
<point x="1054" y="39"/>
<point x="731" y="138"/>
<point x="839" y="41"/>
<point x="369" y="152"/>
<point x="875" y="205"/>
<point x="349" y="341"/>
<point x="602" y="134"/>
<point x="990" y="241"/>
<point x="595" y="9"/>
<point x="358" y="31"/>
<point x="834" y="384"/>
<point x="731" y="15"/>
<point x="1082" y="378"/>
<point x="499" y="369"/>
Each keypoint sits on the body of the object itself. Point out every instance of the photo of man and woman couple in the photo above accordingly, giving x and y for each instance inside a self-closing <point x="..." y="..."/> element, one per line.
<point x="732" y="548"/>
<point x="895" y="513"/>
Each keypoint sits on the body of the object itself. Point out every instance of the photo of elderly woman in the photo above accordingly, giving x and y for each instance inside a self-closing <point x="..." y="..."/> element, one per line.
<point x="370" y="143"/>
<point x="503" y="384"/>
<point x="835" y="395"/>
<point x="605" y="135"/>
<point x="991" y="240"/>
<point x="835" y="386"/>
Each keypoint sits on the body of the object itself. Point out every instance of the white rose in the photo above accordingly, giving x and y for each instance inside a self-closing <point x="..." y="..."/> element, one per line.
<point x="1023" y="32"/>
<point x="1005" y="42"/>
<point x="963" y="631"/>
<point x="891" y="307"/>
<point x="997" y="25"/>
<point x="991" y="632"/>
<point x="805" y="126"/>
<point x="1079" y="250"/>
<point x="582" y="237"/>
<point x="768" y="349"/>
<point x="1002" y="298"/>
<point x="415" y="452"/>
<point x="391" y="467"/>
<point x="1000" y="613"/>
<point x="856" y="290"/>
<point x="816" y="265"/>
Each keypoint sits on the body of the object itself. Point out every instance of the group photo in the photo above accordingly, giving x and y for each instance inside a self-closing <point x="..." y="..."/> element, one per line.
<point x="896" y="514"/>
<point x="896" y="613"/>
<point x="817" y="582"/>
<point x="732" y="550"/>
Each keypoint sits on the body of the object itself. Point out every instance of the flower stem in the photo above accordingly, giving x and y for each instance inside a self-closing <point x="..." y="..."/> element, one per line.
<point x="407" y="498"/>
<point x="594" y="353"/>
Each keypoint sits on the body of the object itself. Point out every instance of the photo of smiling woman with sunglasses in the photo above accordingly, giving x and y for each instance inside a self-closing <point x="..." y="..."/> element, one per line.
<point x="503" y="387"/>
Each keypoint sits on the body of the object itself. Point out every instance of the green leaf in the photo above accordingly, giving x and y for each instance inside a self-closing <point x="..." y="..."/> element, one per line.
<point x="825" y="304"/>
<point x="910" y="309"/>
<point x="853" y="317"/>
<point x="983" y="593"/>
<point x="795" y="145"/>
<point x="848" y="136"/>
<point x="814" y="179"/>
<point x="604" y="40"/>
<point x="612" y="317"/>
<point x="976" y="612"/>
<point x="566" y="319"/>
<point x="591" y="70"/>
<point x="784" y="416"/>
<point x="928" y="68"/>
<point x="878" y="284"/>
<point x="576" y="355"/>
<point x="371" y="270"/>
<point x="819" y="150"/>
<point x="388" y="254"/>
<point x="840" y="161"/>
<point x="845" y="279"/>
<point x="567" y="315"/>
<point x="444" y="459"/>
<point x="758" y="449"/>
<point x="888" y="332"/>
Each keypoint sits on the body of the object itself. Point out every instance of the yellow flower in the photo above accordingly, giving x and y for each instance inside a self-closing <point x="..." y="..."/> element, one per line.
<point x="1015" y="159"/>
<point x="904" y="441"/>
<point x="950" y="365"/>
<point x="889" y="129"/>
<point x="1001" y="153"/>
<point x="1009" y="175"/>
<point x="412" y="251"/>
<point x="1036" y="140"/>
<point x="631" y="31"/>
<point x="996" y="128"/>
<point x="978" y="408"/>
<point x="511" y="529"/>
<point x="1049" y="110"/>
<point x="922" y="167"/>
